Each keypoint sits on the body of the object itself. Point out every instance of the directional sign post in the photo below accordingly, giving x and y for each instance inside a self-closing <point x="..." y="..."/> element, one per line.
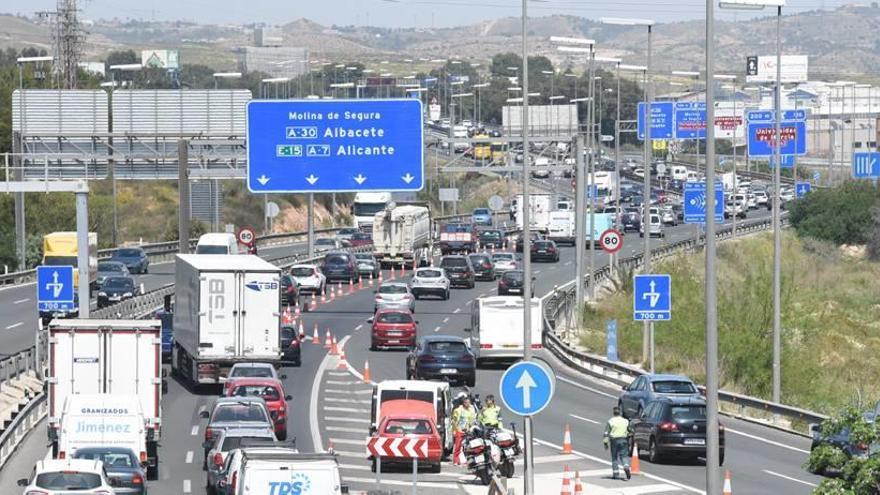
<point x="652" y="298"/>
<point x="802" y="188"/>
<point x="690" y="120"/>
<point x="309" y="146"/>
<point x="761" y="132"/>
<point x="527" y="387"/>
<point x="866" y="165"/>
<point x="55" y="290"/>
<point x="695" y="202"/>
<point x="662" y="119"/>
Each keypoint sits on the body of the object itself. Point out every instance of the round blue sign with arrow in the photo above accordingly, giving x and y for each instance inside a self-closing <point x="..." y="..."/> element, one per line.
<point x="527" y="387"/>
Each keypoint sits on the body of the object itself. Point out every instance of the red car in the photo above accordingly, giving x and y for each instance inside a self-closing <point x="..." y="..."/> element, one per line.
<point x="360" y="239"/>
<point x="271" y="391"/>
<point x="393" y="328"/>
<point x="411" y="419"/>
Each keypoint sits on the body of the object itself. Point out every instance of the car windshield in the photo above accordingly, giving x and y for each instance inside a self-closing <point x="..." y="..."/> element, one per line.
<point x="265" y="392"/>
<point x="110" y="459"/>
<point x="128" y="253"/>
<point x="429" y="274"/>
<point x="109" y="267"/>
<point x="68" y="481"/>
<point x="232" y="443"/>
<point x="60" y="260"/>
<point x="408" y="427"/>
<point x="392" y="289"/>
<point x="251" y="372"/>
<point x="337" y="259"/>
<point x="515" y="276"/>
<point x="453" y="262"/>
<point x="481" y="211"/>
<point x="673" y="387"/>
<point x="479" y="260"/>
<point x="395" y="318"/>
<point x="447" y="347"/>
<point x="119" y="283"/>
<point x="287" y="333"/>
<point x="240" y="412"/>
<point x="302" y="271"/>
<point x="688" y="412"/>
<point x="491" y="234"/>
<point x="347" y="231"/>
<point x="361" y="237"/>
<point x="209" y="249"/>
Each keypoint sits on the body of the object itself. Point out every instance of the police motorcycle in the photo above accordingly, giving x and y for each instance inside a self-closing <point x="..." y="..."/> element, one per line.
<point x="482" y="454"/>
<point x="508" y="447"/>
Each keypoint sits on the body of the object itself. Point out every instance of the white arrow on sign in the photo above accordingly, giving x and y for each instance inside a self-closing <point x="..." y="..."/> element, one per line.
<point x="408" y="178"/>
<point x="360" y="179"/>
<point x="653" y="296"/>
<point x="526" y="383"/>
<point x="311" y="179"/>
<point x="55" y="286"/>
<point x="263" y="179"/>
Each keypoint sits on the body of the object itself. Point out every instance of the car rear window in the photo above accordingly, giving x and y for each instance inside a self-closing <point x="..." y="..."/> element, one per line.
<point x="110" y="459"/>
<point x="129" y="252"/>
<point x="209" y="249"/>
<point x="673" y="387"/>
<point x="462" y="262"/>
<point x="109" y="267"/>
<point x="457" y="227"/>
<point x="516" y="276"/>
<point x="361" y="237"/>
<point x="68" y="480"/>
<point x="364" y="257"/>
<point x="491" y="234"/>
<point x="542" y="244"/>
<point x="418" y="395"/>
<point x="232" y="443"/>
<point x="252" y="372"/>
<point x="239" y="412"/>
<point x="392" y="289"/>
<point x="429" y="274"/>
<point x="336" y="259"/>
<point x="506" y="257"/>
<point x="479" y="260"/>
<point x="265" y="392"/>
<point x="447" y="347"/>
<point x="688" y="412"/>
<point x="302" y="272"/>
<point x="408" y="427"/>
<point x="395" y="318"/>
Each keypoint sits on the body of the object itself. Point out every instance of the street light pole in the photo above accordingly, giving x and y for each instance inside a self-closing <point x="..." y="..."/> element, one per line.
<point x="529" y="469"/>
<point x="777" y="234"/>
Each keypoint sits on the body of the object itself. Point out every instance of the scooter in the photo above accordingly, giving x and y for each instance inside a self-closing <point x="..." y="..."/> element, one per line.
<point x="482" y="454"/>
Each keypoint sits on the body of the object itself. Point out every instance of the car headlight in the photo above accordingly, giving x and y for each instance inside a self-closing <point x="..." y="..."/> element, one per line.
<point x="127" y="294"/>
<point x="102" y="293"/>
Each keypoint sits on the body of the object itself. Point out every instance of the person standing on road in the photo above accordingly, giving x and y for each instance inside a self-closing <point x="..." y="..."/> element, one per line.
<point x="490" y="416"/>
<point x="617" y="435"/>
<point x="463" y="418"/>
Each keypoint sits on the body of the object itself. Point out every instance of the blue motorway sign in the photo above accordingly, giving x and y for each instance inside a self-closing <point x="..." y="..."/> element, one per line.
<point x="55" y="288"/>
<point x="787" y="161"/>
<point x="802" y="188"/>
<point x="652" y="297"/>
<point x="761" y="132"/>
<point x="527" y="387"/>
<point x="662" y="118"/>
<point x="690" y="120"/>
<point x="334" y="145"/>
<point x="866" y="165"/>
<point x="695" y="202"/>
<point x="611" y="340"/>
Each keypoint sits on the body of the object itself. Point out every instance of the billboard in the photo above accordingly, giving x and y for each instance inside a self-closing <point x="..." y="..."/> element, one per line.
<point x="544" y="120"/>
<point x="160" y="59"/>
<point x="762" y="69"/>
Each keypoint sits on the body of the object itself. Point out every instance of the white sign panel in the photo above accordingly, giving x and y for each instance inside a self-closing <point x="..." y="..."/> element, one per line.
<point x="449" y="194"/>
<point x="160" y="59"/>
<point x="434" y="111"/>
<point x="762" y="69"/>
<point x="544" y="120"/>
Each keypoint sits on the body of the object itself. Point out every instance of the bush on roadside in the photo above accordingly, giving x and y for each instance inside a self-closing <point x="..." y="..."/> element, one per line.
<point x="842" y="215"/>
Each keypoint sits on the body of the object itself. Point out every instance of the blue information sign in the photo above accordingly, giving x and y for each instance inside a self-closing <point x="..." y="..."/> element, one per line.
<point x="662" y="119"/>
<point x="611" y="340"/>
<point x="866" y="165"/>
<point x="527" y="387"/>
<point x="652" y="298"/>
<point x="762" y="129"/>
<point x="787" y="161"/>
<point x="335" y="145"/>
<point x="55" y="288"/>
<point x="695" y="202"/>
<point x="802" y="188"/>
<point x="690" y="120"/>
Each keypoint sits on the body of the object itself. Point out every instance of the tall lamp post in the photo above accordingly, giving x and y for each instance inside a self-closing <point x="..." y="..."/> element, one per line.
<point x="114" y="70"/>
<point x="215" y="184"/>
<point x="616" y="62"/>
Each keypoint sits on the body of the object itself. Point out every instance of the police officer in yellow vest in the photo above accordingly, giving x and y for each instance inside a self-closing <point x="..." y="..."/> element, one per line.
<point x="490" y="416"/>
<point x="463" y="418"/>
<point x="617" y="435"/>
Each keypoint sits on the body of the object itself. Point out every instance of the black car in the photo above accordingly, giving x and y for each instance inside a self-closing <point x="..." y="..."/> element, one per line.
<point x="116" y="289"/>
<point x="368" y="265"/>
<point x="631" y="220"/>
<point x="291" y="349"/>
<point x="511" y="283"/>
<point x="340" y="266"/>
<point x="520" y="241"/>
<point x="674" y="426"/>
<point x="443" y="358"/>
<point x="491" y="239"/>
<point x="484" y="269"/>
<point x="289" y="290"/>
<point x="545" y="251"/>
<point x="135" y="259"/>
<point x="123" y="468"/>
<point x="459" y="270"/>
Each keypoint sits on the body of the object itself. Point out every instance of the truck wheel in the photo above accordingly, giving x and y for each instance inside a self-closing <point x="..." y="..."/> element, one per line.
<point x="153" y="453"/>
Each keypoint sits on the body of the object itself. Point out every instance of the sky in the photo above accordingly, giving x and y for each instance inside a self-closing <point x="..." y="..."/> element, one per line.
<point x="389" y="13"/>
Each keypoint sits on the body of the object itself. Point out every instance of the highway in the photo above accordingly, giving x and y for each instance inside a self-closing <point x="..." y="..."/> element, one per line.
<point x="332" y="405"/>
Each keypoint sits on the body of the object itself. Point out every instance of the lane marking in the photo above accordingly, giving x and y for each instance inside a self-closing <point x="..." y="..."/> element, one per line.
<point x="339" y="382"/>
<point x="358" y="327"/>
<point x="451" y="485"/>
<point x="195" y="430"/>
<point x="789" y="478"/>
<point x="537" y="272"/>
<point x="189" y="456"/>
<point x="344" y="429"/>
<point x="436" y="329"/>
<point x="591" y="389"/>
<point x="446" y="320"/>
<point x="457" y="310"/>
<point x="15" y="325"/>
<point x="588" y="420"/>
<point x="314" y="427"/>
<point x="21" y="301"/>
<point x="347" y="409"/>
<point x="769" y="442"/>
<point x="347" y="441"/>
<point x="347" y="420"/>
<point x="187" y="486"/>
<point x="344" y="401"/>
<point x="337" y="373"/>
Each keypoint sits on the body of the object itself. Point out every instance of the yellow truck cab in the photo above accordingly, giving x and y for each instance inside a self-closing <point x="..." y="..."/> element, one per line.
<point x="60" y="249"/>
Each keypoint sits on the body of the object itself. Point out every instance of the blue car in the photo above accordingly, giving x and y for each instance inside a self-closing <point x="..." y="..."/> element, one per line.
<point x="167" y="319"/>
<point x="135" y="259"/>
<point x="481" y="216"/>
<point x="442" y="358"/>
<point x="648" y="388"/>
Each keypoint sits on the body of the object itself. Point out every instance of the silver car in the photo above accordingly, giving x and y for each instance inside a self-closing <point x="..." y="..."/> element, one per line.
<point x="236" y="412"/>
<point x="309" y="278"/>
<point x="108" y="269"/>
<point x="504" y="262"/>
<point x="430" y="281"/>
<point x="225" y="442"/>
<point x="394" y="295"/>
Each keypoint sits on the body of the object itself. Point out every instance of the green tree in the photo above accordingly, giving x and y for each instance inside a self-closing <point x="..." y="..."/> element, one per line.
<point x="842" y="214"/>
<point x="857" y="475"/>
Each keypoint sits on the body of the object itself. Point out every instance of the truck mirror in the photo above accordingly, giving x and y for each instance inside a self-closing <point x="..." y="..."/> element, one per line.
<point x="204" y="414"/>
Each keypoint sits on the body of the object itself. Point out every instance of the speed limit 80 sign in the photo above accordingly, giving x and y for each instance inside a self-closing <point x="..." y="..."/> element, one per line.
<point x="246" y="236"/>
<point x="611" y="241"/>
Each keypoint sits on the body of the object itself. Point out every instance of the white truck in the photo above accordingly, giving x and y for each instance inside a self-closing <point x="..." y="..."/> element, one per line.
<point x="226" y="311"/>
<point x="497" y="327"/>
<point x="562" y="227"/>
<point x="729" y="181"/>
<point x="401" y="235"/>
<point x="366" y="205"/>
<point x="540" y="206"/>
<point x="282" y="471"/>
<point x="122" y="358"/>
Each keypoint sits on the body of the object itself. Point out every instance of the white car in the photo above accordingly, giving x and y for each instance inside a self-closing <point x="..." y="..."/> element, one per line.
<point x="504" y="262"/>
<point x="761" y="197"/>
<point x="309" y="278"/>
<point x="655" y="228"/>
<point x="394" y="295"/>
<point x="57" y="476"/>
<point x="752" y="201"/>
<point x="431" y="281"/>
<point x="668" y="217"/>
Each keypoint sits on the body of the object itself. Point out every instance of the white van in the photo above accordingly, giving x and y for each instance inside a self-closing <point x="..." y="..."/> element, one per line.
<point x="692" y="176"/>
<point x="437" y="393"/>
<point x="497" y="327"/>
<point x="277" y="471"/>
<point x="217" y="243"/>
<point x="102" y="420"/>
<point x="679" y="172"/>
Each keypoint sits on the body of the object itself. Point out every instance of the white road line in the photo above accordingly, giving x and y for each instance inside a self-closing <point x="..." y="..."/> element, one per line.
<point x="446" y="320"/>
<point x="344" y="401"/>
<point x="345" y="429"/>
<point x="769" y="442"/>
<point x="15" y="325"/>
<point x="566" y="264"/>
<point x="789" y="478"/>
<point x="339" y="382"/>
<point x="358" y="328"/>
<point x="314" y="427"/>
<point x="588" y="420"/>
<point x="457" y="310"/>
<point x="591" y="389"/>
<point x="187" y="486"/>
<point x="21" y="301"/>
<point x="195" y="430"/>
<point x="537" y="272"/>
<point x="337" y="373"/>
<point x="347" y="441"/>
<point x="347" y="409"/>
<point x="189" y="456"/>
<point x="436" y="329"/>
<point x="347" y="420"/>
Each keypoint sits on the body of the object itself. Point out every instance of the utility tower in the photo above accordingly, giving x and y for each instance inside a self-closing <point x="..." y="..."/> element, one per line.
<point x="67" y="42"/>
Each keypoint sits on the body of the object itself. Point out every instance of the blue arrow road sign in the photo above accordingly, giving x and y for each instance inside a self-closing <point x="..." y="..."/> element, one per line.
<point x="690" y="120"/>
<point x="55" y="288"/>
<point x="695" y="202"/>
<point x="866" y="165"/>
<point x="527" y="387"/>
<point x="787" y="161"/>
<point x="662" y="118"/>
<point x="334" y="145"/>
<point x="802" y="188"/>
<point x="652" y="298"/>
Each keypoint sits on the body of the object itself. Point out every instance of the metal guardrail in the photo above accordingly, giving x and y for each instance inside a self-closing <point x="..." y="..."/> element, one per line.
<point x="558" y="314"/>
<point x="13" y="366"/>
<point x="24" y="422"/>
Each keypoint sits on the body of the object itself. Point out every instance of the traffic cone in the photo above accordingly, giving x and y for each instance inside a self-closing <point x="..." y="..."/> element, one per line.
<point x="391" y="277"/>
<point x="286" y="316"/>
<point x="316" y="339"/>
<point x="566" y="482"/>
<point x="324" y="297"/>
<point x="332" y="294"/>
<point x="367" y="372"/>
<point x="578" y="487"/>
<point x="566" y="440"/>
<point x="727" y="489"/>
<point x="314" y="301"/>
<point x="334" y="347"/>
<point x="343" y="364"/>
<point x="302" y="331"/>
<point x="403" y="270"/>
<point x="296" y="312"/>
<point x="371" y="278"/>
<point x="380" y="277"/>
<point x="361" y="283"/>
<point x="634" y="467"/>
<point x="330" y="447"/>
<point x="328" y="341"/>
<point x="350" y="287"/>
<point x="339" y="289"/>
